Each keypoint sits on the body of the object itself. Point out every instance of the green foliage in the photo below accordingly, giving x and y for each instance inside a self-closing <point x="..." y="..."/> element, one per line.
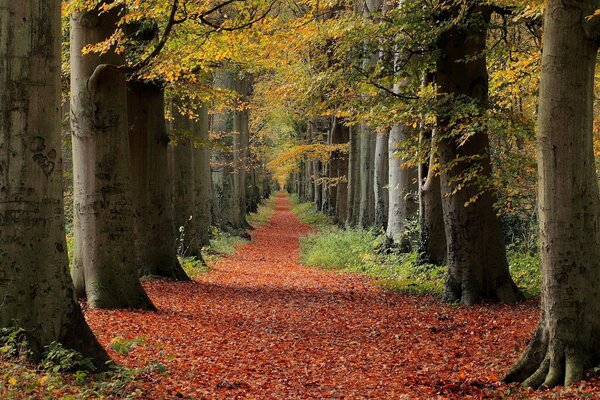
<point x="264" y="213"/>
<point x="221" y="244"/>
<point x="125" y="346"/>
<point x="525" y="270"/>
<point x="358" y="250"/>
<point x="14" y="343"/>
<point x="193" y="266"/>
<point x="59" y="359"/>
<point x="308" y="215"/>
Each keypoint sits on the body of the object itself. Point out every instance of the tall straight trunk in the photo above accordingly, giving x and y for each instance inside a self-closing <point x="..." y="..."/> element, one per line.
<point x="380" y="180"/>
<point x="341" y="135"/>
<point x="567" y="339"/>
<point x="226" y="201"/>
<point x="244" y="153"/>
<point x="318" y="185"/>
<point x="104" y="267"/>
<point x="37" y="291"/>
<point x="367" y="208"/>
<point x="353" y="178"/>
<point x="202" y="178"/>
<point x="477" y="265"/>
<point x="182" y="178"/>
<point x="433" y="235"/>
<point x="403" y="188"/>
<point x="155" y="245"/>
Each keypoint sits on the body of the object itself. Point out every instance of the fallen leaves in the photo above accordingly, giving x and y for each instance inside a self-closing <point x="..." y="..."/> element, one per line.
<point x="262" y="326"/>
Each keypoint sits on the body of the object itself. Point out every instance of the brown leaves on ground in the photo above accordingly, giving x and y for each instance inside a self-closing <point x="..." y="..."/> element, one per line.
<point x="261" y="326"/>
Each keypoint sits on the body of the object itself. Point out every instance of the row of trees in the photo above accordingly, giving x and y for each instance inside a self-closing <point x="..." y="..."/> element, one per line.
<point x="152" y="173"/>
<point x="379" y="112"/>
<point x="434" y="162"/>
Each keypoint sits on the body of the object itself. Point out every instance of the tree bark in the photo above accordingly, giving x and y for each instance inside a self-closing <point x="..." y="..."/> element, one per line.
<point x="104" y="268"/>
<point x="341" y="135"/>
<point x="37" y="291"/>
<point x="433" y="235"/>
<point x="182" y="178"/>
<point x="202" y="178"/>
<point x="567" y="339"/>
<point x="226" y="202"/>
<point x="367" y="206"/>
<point x="380" y="180"/>
<point x="353" y="178"/>
<point x="155" y="242"/>
<point x="403" y="189"/>
<point x="477" y="265"/>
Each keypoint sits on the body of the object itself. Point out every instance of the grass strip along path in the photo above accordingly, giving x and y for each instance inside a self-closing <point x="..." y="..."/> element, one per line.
<point x="261" y="326"/>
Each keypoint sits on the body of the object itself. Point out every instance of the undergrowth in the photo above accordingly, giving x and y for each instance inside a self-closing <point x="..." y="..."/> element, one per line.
<point x="63" y="374"/>
<point x="368" y="252"/>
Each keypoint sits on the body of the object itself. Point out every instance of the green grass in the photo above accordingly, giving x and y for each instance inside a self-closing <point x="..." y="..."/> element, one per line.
<point x="358" y="250"/>
<point x="264" y="213"/>
<point x="307" y="213"/>
<point x="364" y="251"/>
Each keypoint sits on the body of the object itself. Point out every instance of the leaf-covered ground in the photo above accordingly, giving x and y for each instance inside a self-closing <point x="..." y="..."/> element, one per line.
<point x="261" y="326"/>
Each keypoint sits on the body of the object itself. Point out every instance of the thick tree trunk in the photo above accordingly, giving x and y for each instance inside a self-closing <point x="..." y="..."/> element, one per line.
<point x="567" y="339"/>
<point x="182" y="178"/>
<point x="155" y="243"/>
<point x="403" y="189"/>
<point x="37" y="291"/>
<point x="380" y="180"/>
<point x="202" y="178"/>
<point x="433" y="235"/>
<point x="104" y="268"/>
<point x="318" y="185"/>
<point x="341" y="135"/>
<point x="477" y="265"/>
<point x="226" y="202"/>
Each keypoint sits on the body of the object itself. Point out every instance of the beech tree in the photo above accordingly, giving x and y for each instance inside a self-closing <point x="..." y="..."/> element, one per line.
<point x="476" y="257"/>
<point x="565" y="342"/>
<point x="104" y="268"/>
<point x="38" y="294"/>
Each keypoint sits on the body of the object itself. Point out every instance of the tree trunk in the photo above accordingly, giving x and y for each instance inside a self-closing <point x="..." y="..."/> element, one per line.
<point x="182" y="178"/>
<point x="226" y="201"/>
<point x="402" y="189"/>
<point x="202" y="178"/>
<point x="367" y="207"/>
<point x="104" y="268"/>
<point x="567" y="339"/>
<point x="433" y="235"/>
<point x="37" y="291"/>
<point x="477" y="265"/>
<point x="341" y="135"/>
<point x="380" y="180"/>
<point x="353" y="178"/>
<point x="155" y="243"/>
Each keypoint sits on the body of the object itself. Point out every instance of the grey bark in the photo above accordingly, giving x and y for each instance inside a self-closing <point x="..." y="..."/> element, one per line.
<point x="202" y="178"/>
<point x="37" y="291"/>
<point x="155" y="242"/>
<point x="104" y="268"/>
<point x="367" y="199"/>
<point x="566" y="341"/>
<point x="353" y="178"/>
<point x="403" y="188"/>
<point x="477" y="265"/>
<point x="226" y="202"/>
<point x="380" y="180"/>
<point x="182" y="178"/>
<point x="340" y="135"/>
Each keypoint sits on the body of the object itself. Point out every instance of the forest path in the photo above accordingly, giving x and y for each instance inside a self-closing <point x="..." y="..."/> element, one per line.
<point x="261" y="326"/>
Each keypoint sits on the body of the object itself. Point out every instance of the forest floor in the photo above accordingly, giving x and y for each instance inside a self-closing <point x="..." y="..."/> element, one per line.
<point x="261" y="326"/>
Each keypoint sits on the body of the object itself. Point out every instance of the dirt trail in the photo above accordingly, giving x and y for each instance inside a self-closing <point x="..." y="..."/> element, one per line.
<point x="261" y="326"/>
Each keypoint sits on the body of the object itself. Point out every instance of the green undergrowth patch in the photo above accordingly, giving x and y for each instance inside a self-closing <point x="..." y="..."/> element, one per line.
<point x="368" y="252"/>
<point x="63" y="374"/>
<point x="307" y="213"/>
<point x="363" y="251"/>
<point x="193" y="266"/>
<point x="264" y="213"/>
